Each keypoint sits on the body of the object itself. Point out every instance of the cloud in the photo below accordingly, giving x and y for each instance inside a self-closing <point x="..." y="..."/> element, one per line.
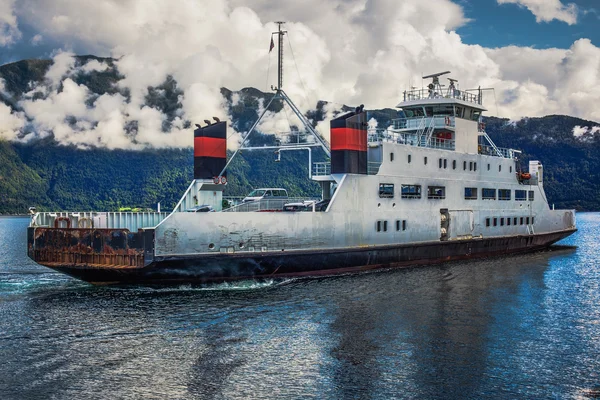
<point x="343" y="51"/>
<point x="9" y="30"/>
<point x="548" y="10"/>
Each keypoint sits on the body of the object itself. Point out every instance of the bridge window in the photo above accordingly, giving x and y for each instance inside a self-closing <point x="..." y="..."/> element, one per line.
<point x="436" y="192"/>
<point x="386" y="190"/>
<point x="470" y="193"/>
<point x="488" y="194"/>
<point x="411" y="191"/>
<point x="520" y="195"/>
<point x="503" y="194"/>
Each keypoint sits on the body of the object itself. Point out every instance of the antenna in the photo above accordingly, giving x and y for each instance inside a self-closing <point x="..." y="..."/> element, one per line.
<point x="436" y="77"/>
<point x="435" y="89"/>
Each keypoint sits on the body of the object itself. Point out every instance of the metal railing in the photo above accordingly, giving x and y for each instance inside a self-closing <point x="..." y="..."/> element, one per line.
<point x="99" y="220"/>
<point x="409" y="139"/>
<point x="321" y="169"/>
<point x="496" y="151"/>
<point x="266" y="205"/>
<point x="421" y="123"/>
<point x="422" y="94"/>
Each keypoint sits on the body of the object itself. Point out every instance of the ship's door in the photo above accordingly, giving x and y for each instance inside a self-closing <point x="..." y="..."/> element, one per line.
<point x="461" y="225"/>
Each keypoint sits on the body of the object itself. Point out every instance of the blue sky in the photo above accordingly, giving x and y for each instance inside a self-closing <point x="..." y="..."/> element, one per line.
<point x="498" y="25"/>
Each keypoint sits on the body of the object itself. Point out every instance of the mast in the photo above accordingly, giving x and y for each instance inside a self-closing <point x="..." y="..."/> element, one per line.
<point x="280" y="33"/>
<point x="280" y="94"/>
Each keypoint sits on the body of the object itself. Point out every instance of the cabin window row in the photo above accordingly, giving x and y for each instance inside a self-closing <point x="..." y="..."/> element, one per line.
<point x="386" y="191"/>
<point x="382" y="225"/>
<point x="500" y="194"/>
<point x="443" y="163"/>
<point x="501" y="221"/>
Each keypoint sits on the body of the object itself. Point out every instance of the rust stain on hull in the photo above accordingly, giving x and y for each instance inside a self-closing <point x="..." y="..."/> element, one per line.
<point x="92" y="248"/>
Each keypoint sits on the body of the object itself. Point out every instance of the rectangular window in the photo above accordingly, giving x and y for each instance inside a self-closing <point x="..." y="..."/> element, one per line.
<point x="520" y="195"/>
<point x="445" y="163"/>
<point x="532" y="220"/>
<point x="470" y="193"/>
<point x="488" y="166"/>
<point x="488" y="194"/>
<point x="527" y="220"/>
<point x="411" y="191"/>
<point x="464" y="165"/>
<point x="502" y="221"/>
<point x="495" y="221"/>
<point x="531" y="195"/>
<point x="391" y="156"/>
<point x="425" y="160"/>
<point x="440" y="163"/>
<point x="385" y="226"/>
<point x="436" y="192"/>
<point x="503" y="194"/>
<point x="515" y="221"/>
<point x="510" y="169"/>
<point x="508" y="221"/>
<point x="378" y="226"/>
<point x="475" y="166"/>
<point x="397" y="225"/>
<point x="521" y="221"/>
<point x="470" y="165"/>
<point x="409" y="158"/>
<point x="386" y="190"/>
<point x="403" y="224"/>
<point x="453" y="164"/>
<point x="487" y="222"/>
<point x="499" y="168"/>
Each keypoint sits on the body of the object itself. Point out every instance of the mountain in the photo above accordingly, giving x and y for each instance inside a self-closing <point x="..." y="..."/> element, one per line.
<point x="58" y="176"/>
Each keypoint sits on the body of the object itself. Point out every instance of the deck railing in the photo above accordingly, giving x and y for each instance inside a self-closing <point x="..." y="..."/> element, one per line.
<point x="421" y="94"/>
<point x="99" y="220"/>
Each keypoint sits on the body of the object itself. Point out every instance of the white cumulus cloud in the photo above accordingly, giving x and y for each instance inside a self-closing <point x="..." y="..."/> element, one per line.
<point x="548" y="10"/>
<point x="9" y="29"/>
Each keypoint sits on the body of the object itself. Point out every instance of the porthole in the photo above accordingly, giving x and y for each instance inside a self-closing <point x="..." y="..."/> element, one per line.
<point x="211" y="246"/>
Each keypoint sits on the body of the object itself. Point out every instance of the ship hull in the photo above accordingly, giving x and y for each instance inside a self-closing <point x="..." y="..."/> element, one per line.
<point x="229" y="267"/>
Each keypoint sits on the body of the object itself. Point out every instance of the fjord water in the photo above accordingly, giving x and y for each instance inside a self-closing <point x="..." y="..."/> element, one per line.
<point x="514" y="327"/>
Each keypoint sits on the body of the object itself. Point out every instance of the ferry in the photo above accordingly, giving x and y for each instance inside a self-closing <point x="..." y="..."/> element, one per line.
<point x="429" y="188"/>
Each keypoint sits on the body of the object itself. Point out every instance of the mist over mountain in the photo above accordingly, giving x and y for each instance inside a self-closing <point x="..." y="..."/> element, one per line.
<point x="74" y="137"/>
